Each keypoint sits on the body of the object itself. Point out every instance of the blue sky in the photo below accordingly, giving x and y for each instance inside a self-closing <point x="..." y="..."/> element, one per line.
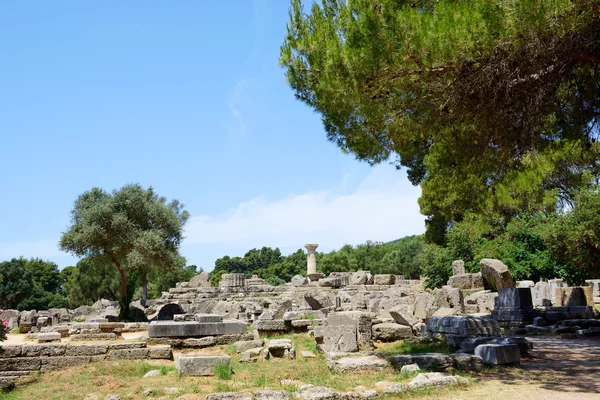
<point x="187" y="97"/>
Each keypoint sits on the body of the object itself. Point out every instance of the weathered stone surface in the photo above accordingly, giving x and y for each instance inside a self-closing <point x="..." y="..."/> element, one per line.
<point x="495" y="274"/>
<point x="458" y="267"/>
<point x="188" y="329"/>
<point x="279" y="344"/>
<point x="461" y="281"/>
<point x="391" y="331"/>
<point x="208" y="318"/>
<point x="428" y="361"/>
<point x="318" y="300"/>
<point x="160" y="353"/>
<point x="463" y="326"/>
<point x="304" y="314"/>
<point x="19" y="364"/>
<point x="395" y="388"/>
<point x="52" y="363"/>
<point x="86" y="350"/>
<point x="230" y="396"/>
<point x="498" y="354"/>
<point x="541" y="295"/>
<point x="432" y="379"/>
<point x="128" y="354"/>
<point x="362" y="322"/>
<point x="242" y="346"/>
<point x="360" y="278"/>
<point x="467" y="362"/>
<point x="197" y="365"/>
<point x="574" y="296"/>
<point x="319" y="393"/>
<point x="410" y="369"/>
<point x="272" y="395"/>
<point x="200" y="280"/>
<point x="424" y="306"/>
<point x="199" y="343"/>
<point x="357" y="364"/>
<point x="403" y="314"/>
<point x="445" y="312"/>
<point x="340" y="338"/>
<point x="44" y="350"/>
<point x="84" y="337"/>
<point x="276" y="325"/>
<point x="124" y="346"/>
<point x="10" y="350"/>
<point x="384" y="279"/>
<point x="525" y="284"/>
<point x="299" y="280"/>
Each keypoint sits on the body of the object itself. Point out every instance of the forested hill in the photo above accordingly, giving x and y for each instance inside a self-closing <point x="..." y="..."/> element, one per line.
<point x="397" y="257"/>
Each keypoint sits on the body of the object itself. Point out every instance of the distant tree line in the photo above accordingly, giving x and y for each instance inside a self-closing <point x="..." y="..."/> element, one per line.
<point x="38" y="284"/>
<point x="397" y="257"/>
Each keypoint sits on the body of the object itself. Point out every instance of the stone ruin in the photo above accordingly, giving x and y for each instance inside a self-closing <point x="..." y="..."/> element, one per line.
<point x="484" y="314"/>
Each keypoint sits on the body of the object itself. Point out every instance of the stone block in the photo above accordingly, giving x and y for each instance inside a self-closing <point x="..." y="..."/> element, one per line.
<point x="86" y="350"/>
<point x="44" y="350"/>
<point x="160" y="353"/>
<point x="188" y="329"/>
<point x="208" y="318"/>
<point x="458" y="267"/>
<point x="384" y="279"/>
<point x="53" y="363"/>
<point x="360" y="278"/>
<point x="403" y="314"/>
<point x="432" y="379"/>
<point x="200" y="280"/>
<point x="467" y="362"/>
<point x="340" y="338"/>
<point x="525" y="284"/>
<point x="230" y="396"/>
<point x="318" y="299"/>
<point x="299" y="280"/>
<point x="272" y="395"/>
<point x="461" y="281"/>
<point x="10" y="350"/>
<point x="274" y="325"/>
<point x="574" y="296"/>
<point x="199" y="343"/>
<point x="84" y="337"/>
<point x="126" y="346"/>
<point x="540" y="293"/>
<point x="244" y="345"/>
<point x="514" y="298"/>
<point x="128" y="354"/>
<point x="495" y="274"/>
<point x="358" y="364"/>
<point x="499" y="354"/>
<point x="390" y="331"/>
<point x="197" y="365"/>
<point x="428" y="361"/>
<point x="20" y="364"/>
<point x="362" y="321"/>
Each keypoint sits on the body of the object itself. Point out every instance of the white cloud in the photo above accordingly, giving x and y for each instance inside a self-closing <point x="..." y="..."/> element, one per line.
<point x="383" y="207"/>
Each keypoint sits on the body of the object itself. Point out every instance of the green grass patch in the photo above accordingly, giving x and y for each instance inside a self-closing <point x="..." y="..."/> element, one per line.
<point x="223" y="371"/>
<point x="164" y="370"/>
<point x="415" y="347"/>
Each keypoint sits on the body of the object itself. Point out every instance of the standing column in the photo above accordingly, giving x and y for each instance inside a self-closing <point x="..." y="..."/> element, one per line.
<point x="311" y="259"/>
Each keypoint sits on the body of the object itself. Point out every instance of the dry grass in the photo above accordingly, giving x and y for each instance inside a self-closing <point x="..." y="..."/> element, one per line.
<point x="124" y="378"/>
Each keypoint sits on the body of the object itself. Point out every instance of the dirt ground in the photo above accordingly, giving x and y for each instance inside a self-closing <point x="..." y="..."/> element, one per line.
<point x="557" y="369"/>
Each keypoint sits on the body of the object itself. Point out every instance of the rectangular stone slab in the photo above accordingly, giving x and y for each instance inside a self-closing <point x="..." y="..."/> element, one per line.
<point x="187" y="329"/>
<point x="196" y="365"/>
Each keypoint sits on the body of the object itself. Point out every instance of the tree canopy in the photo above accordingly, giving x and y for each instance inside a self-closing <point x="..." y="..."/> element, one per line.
<point x="492" y="106"/>
<point x="132" y="229"/>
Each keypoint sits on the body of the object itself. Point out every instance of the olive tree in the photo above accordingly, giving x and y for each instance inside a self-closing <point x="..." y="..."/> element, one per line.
<point x="132" y="229"/>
